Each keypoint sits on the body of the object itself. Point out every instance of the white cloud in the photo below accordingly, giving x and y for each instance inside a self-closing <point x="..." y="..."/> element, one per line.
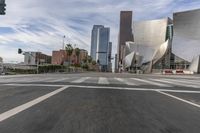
<point x="40" y="24"/>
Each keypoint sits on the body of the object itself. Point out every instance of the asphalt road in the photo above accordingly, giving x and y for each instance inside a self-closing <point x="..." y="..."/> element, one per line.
<point x="99" y="103"/>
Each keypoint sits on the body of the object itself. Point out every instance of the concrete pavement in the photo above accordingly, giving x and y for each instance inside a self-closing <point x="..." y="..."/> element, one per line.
<point x="99" y="103"/>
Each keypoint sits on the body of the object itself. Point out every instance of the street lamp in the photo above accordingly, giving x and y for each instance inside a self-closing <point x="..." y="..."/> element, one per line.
<point x="64" y="42"/>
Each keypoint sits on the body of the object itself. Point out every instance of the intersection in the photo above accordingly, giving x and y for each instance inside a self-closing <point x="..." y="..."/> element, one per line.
<point x="99" y="102"/>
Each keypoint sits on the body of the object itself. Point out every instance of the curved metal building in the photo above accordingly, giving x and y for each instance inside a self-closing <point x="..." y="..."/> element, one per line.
<point x="186" y="40"/>
<point x="151" y="45"/>
<point x="149" y="36"/>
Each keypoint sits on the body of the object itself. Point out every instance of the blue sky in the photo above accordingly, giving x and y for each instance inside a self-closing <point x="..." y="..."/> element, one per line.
<point x="39" y="25"/>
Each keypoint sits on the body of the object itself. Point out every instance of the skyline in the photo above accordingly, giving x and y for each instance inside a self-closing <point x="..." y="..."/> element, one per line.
<point x="32" y="26"/>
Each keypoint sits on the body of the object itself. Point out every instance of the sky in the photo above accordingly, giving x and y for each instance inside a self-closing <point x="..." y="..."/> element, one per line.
<point x="39" y="25"/>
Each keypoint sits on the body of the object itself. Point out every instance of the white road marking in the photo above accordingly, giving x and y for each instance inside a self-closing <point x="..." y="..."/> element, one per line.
<point x="136" y="89"/>
<point x="80" y="80"/>
<point x="179" y="84"/>
<point x="58" y="80"/>
<point x="151" y="82"/>
<point x="25" y="106"/>
<point x="180" y="99"/>
<point x="125" y="81"/>
<point x="103" y="80"/>
<point x="193" y="82"/>
<point x="107" y="87"/>
<point x="38" y="85"/>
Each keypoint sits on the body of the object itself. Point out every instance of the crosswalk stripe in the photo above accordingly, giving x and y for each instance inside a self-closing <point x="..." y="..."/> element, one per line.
<point x="186" y="81"/>
<point x="80" y="80"/>
<point x="151" y="82"/>
<point x="180" y="83"/>
<point x="103" y="80"/>
<point x="125" y="81"/>
<point x="58" y="80"/>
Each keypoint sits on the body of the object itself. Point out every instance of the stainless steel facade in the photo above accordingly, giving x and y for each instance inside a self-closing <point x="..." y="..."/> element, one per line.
<point x="186" y="40"/>
<point x="149" y="35"/>
<point x="151" y="47"/>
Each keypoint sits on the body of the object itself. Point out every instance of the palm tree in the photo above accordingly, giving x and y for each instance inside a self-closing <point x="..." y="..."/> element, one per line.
<point x="69" y="49"/>
<point x="77" y="52"/>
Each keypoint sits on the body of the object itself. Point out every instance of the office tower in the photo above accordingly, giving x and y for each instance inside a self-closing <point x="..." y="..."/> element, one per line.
<point x="103" y="39"/>
<point x="125" y="33"/>
<point x="94" y="41"/>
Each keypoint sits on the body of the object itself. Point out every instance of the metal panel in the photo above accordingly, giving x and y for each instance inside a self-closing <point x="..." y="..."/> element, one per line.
<point x="149" y="36"/>
<point x="186" y="42"/>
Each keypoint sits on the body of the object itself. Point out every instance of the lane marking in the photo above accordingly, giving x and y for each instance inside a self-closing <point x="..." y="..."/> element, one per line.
<point x="36" y="85"/>
<point x="151" y="82"/>
<point x="179" y="84"/>
<point x="136" y="89"/>
<point x="80" y="80"/>
<point x="193" y="82"/>
<point x="106" y="87"/>
<point x="25" y="106"/>
<point x="103" y="80"/>
<point x="180" y="99"/>
<point x="125" y="81"/>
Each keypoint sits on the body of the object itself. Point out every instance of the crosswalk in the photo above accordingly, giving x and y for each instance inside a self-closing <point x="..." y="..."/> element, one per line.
<point x="136" y="81"/>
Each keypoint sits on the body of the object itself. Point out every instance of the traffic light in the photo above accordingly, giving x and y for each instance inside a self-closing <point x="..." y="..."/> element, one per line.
<point x="2" y="7"/>
<point x="19" y="51"/>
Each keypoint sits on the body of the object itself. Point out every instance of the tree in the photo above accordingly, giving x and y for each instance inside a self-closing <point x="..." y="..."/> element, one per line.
<point x="89" y="59"/>
<point x="77" y="52"/>
<point x="69" y="49"/>
<point x="94" y="62"/>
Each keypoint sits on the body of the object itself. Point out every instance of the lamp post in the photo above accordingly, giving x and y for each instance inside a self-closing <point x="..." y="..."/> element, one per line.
<point x="64" y="42"/>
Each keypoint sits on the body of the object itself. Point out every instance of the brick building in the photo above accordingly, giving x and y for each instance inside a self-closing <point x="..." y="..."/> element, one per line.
<point x="61" y="57"/>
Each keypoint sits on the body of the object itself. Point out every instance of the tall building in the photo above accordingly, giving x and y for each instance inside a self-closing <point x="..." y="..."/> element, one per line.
<point x="103" y="39"/>
<point x="94" y="36"/>
<point x="125" y="34"/>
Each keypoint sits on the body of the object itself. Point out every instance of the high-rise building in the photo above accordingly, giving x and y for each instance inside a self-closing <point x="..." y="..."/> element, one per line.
<point x="103" y="39"/>
<point x="125" y="34"/>
<point x="94" y="41"/>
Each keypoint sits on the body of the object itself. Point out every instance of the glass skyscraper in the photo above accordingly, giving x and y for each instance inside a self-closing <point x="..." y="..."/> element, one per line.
<point x="100" y="46"/>
<point x="94" y="41"/>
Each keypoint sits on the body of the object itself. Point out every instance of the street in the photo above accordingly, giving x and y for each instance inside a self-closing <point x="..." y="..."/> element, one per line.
<point x="99" y="103"/>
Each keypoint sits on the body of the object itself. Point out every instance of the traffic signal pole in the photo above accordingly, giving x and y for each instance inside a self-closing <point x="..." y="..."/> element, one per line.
<point x="2" y="7"/>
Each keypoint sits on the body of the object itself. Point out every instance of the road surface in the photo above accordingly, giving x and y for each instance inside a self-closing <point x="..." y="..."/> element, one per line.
<point x="99" y="103"/>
